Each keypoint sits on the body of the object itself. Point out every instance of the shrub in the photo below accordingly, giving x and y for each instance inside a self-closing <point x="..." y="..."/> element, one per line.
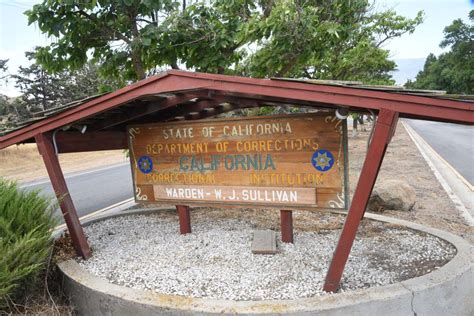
<point x="26" y="224"/>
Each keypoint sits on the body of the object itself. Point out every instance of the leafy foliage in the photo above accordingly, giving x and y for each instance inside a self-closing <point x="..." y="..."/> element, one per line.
<point x="328" y="40"/>
<point x="117" y="31"/>
<point x="129" y="38"/>
<point x="26" y="223"/>
<point x="207" y="36"/>
<point x="452" y="71"/>
<point x="10" y="109"/>
<point x="42" y="90"/>
<point x="3" y="76"/>
<point x="3" y="68"/>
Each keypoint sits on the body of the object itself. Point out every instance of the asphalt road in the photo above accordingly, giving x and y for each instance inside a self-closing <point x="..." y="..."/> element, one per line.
<point x="93" y="189"/>
<point x="453" y="142"/>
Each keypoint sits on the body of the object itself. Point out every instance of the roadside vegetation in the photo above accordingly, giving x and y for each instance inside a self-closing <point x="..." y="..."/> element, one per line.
<point x="26" y="224"/>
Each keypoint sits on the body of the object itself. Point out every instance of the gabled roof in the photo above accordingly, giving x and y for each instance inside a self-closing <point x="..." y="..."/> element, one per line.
<point x="189" y="95"/>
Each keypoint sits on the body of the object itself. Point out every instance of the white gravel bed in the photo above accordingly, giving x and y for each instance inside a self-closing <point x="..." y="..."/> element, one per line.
<point x="215" y="261"/>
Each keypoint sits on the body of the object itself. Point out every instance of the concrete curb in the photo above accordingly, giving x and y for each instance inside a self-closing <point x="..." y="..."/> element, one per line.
<point x="446" y="291"/>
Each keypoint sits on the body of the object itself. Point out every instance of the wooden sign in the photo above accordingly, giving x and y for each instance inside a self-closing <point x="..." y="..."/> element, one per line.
<point x="275" y="161"/>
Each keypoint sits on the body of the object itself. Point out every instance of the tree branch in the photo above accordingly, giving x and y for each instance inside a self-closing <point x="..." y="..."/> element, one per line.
<point x="136" y="52"/>
<point x="144" y="20"/>
<point x="105" y="27"/>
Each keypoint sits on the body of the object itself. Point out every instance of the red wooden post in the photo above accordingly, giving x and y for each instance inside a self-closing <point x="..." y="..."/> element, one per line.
<point x="384" y="129"/>
<point x="184" y="219"/>
<point x="392" y="133"/>
<point x="286" y="224"/>
<point x="46" y="149"/>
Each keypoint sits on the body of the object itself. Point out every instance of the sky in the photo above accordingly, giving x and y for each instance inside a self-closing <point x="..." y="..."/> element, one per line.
<point x="427" y="36"/>
<point x="16" y="36"/>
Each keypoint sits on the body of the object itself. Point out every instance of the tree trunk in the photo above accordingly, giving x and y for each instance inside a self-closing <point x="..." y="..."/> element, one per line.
<point x="138" y="65"/>
<point x="136" y="51"/>
<point x="354" y="126"/>
<point x="174" y="65"/>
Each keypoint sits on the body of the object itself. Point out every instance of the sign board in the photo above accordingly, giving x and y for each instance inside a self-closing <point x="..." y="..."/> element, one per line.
<point x="274" y="161"/>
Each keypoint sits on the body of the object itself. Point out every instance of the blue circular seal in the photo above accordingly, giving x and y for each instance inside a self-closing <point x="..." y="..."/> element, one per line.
<point x="145" y="164"/>
<point x="322" y="160"/>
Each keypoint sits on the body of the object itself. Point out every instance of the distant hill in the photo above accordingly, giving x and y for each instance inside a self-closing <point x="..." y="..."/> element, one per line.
<point x="407" y="69"/>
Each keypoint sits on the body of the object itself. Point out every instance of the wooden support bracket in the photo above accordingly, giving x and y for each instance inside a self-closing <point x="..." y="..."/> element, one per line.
<point x="286" y="226"/>
<point x="46" y="149"/>
<point x="184" y="219"/>
<point x="384" y="129"/>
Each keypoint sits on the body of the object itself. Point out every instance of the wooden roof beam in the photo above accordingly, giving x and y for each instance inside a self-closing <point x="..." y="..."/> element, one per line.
<point x="69" y="142"/>
<point x="140" y="111"/>
<point x="206" y="107"/>
<point x="231" y="105"/>
<point x="273" y="101"/>
<point x="179" y="110"/>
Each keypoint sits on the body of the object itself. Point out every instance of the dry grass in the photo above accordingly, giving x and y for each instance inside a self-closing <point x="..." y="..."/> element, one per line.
<point x="39" y="304"/>
<point x="23" y="162"/>
<point x="45" y="296"/>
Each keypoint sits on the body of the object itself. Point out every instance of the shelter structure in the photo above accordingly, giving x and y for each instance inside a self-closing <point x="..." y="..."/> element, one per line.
<point x="181" y="95"/>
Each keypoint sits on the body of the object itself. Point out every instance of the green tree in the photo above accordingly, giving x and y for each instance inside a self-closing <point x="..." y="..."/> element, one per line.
<point x="118" y="33"/>
<point x="42" y="90"/>
<point x="328" y="40"/>
<point x="3" y="76"/>
<point x="3" y="106"/>
<point x="129" y="38"/>
<point x="3" y="69"/>
<point x="10" y="109"/>
<point x="452" y="71"/>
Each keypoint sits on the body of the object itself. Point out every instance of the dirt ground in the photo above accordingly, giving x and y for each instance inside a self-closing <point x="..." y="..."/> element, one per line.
<point x="23" y="163"/>
<point x="404" y="162"/>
